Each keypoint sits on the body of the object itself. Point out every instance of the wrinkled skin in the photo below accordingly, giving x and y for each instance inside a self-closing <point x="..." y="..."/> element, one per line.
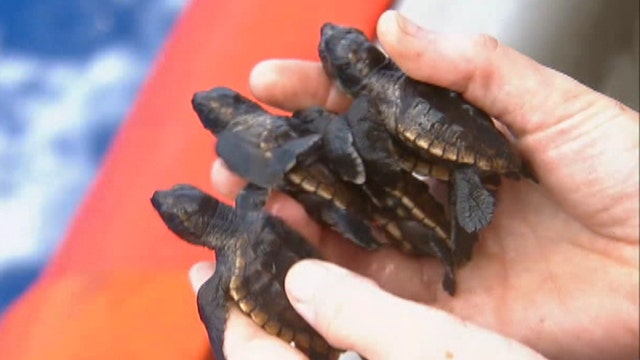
<point x="557" y="269"/>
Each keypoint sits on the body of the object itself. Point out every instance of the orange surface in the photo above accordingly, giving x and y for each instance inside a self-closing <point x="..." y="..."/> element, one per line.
<point x="117" y="288"/>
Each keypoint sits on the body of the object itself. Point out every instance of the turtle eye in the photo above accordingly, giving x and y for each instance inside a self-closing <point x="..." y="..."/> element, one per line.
<point x="183" y="214"/>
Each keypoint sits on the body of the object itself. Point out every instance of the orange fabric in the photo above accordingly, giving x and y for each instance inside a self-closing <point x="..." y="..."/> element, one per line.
<point x="127" y="315"/>
<point x="117" y="287"/>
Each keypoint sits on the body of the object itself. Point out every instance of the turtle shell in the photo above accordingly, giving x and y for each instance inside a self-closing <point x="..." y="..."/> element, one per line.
<point x="435" y="122"/>
<point x="265" y="149"/>
<point x="254" y="252"/>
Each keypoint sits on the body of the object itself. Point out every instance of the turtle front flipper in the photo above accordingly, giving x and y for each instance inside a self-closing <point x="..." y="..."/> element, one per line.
<point x="262" y="167"/>
<point x="252" y="198"/>
<point x="338" y="143"/>
<point x="342" y="153"/>
<point x="472" y="204"/>
<point x="213" y="305"/>
<point x="373" y="142"/>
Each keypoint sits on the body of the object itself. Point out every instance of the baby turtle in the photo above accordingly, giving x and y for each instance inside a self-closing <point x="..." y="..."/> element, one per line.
<point x="384" y="179"/>
<point x="248" y="137"/>
<point x="436" y="123"/>
<point x="405" y="208"/>
<point x="232" y="117"/>
<point x="254" y="252"/>
<point x="266" y="151"/>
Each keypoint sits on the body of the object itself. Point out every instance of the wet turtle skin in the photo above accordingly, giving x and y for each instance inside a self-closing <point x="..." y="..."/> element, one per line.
<point x="405" y="209"/>
<point x="266" y="151"/>
<point x="387" y="185"/>
<point x="402" y="207"/>
<point x="435" y="123"/>
<point x="254" y="251"/>
<point x="259" y="146"/>
<point x="249" y="149"/>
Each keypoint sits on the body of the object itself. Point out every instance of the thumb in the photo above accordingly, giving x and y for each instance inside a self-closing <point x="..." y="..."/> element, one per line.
<point x="574" y="137"/>
<point x="353" y="313"/>
<point x="523" y="94"/>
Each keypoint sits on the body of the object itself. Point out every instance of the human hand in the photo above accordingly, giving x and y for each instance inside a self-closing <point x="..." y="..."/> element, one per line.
<point x="557" y="269"/>
<point x="353" y="312"/>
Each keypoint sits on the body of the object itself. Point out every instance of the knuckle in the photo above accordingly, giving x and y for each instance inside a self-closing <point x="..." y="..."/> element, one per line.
<point x="486" y="44"/>
<point x="484" y="47"/>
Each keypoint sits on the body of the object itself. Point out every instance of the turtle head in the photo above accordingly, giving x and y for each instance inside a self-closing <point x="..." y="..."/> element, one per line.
<point x="189" y="213"/>
<point x="348" y="56"/>
<point x="311" y="120"/>
<point x="218" y="107"/>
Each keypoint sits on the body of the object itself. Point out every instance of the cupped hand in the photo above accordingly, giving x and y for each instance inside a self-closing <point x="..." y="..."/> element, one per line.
<point x="557" y="269"/>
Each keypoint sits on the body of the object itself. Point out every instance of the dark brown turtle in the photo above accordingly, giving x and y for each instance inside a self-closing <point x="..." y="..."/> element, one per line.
<point x="247" y="145"/>
<point x="227" y="114"/>
<point x="436" y="123"/>
<point x="254" y="251"/>
<point x="266" y="151"/>
<point x="405" y="208"/>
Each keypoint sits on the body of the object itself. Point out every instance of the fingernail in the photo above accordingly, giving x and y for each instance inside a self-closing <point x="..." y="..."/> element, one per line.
<point x="407" y="26"/>
<point x="303" y="282"/>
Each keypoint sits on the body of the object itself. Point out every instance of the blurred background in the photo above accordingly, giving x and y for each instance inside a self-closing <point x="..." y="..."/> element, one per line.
<point x="70" y="70"/>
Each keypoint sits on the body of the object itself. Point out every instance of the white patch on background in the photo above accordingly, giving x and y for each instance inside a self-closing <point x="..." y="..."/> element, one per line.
<point x="55" y="118"/>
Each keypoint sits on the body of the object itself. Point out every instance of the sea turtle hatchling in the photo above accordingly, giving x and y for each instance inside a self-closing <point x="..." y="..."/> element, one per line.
<point x="254" y="251"/>
<point x="253" y="142"/>
<point x="434" y="122"/>
<point x="404" y="207"/>
<point x="263" y="149"/>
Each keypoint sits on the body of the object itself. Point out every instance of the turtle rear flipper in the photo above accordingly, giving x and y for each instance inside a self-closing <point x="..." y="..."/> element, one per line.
<point x="426" y="241"/>
<point x="266" y="169"/>
<point x="472" y="204"/>
<point x="213" y="306"/>
<point x="353" y="228"/>
<point x="345" y="223"/>
<point x="463" y="244"/>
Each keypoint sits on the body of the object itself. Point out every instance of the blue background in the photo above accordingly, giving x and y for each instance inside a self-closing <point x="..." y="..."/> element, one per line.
<point x="69" y="72"/>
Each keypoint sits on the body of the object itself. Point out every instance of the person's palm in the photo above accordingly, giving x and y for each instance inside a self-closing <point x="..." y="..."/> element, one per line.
<point x="557" y="268"/>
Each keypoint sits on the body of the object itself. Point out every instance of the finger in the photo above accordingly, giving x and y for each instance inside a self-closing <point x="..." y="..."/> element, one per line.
<point x="225" y="181"/>
<point x="199" y="273"/>
<point x="352" y="312"/>
<point x="243" y="339"/>
<point x="496" y="78"/>
<point x="569" y="133"/>
<point x="385" y="265"/>
<point x="294" y="85"/>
